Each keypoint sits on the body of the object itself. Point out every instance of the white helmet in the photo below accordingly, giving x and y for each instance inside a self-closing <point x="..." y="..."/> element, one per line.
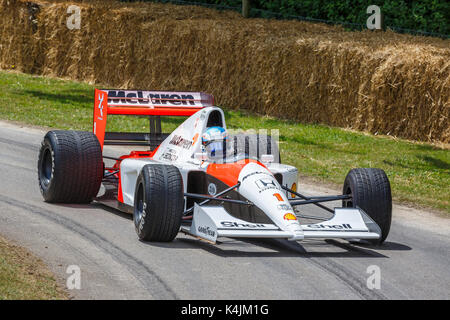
<point x="215" y="143"/>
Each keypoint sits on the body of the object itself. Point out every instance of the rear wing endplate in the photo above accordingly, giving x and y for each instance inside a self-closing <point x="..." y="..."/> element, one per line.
<point x="143" y="103"/>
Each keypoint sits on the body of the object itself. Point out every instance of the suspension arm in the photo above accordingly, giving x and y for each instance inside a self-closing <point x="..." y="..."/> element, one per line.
<point x="211" y="198"/>
<point x="317" y="200"/>
<point x="306" y="198"/>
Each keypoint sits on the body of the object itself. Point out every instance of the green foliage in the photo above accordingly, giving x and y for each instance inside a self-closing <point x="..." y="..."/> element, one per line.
<point x="418" y="15"/>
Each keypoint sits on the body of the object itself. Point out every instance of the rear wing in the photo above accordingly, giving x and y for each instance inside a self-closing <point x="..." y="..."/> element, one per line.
<point x="143" y="103"/>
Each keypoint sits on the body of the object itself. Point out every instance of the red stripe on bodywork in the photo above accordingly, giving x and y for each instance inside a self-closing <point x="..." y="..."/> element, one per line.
<point x="228" y="173"/>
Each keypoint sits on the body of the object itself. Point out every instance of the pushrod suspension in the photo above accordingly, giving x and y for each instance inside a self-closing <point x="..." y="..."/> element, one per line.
<point x="215" y="197"/>
<point x="306" y="198"/>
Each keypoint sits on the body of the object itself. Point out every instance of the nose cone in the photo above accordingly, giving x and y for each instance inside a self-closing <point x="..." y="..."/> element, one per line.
<point x="260" y="187"/>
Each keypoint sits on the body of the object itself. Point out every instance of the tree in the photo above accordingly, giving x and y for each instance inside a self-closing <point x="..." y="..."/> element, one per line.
<point x="245" y="8"/>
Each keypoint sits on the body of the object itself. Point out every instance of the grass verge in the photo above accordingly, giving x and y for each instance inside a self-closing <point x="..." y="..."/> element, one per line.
<point x="419" y="172"/>
<point x="25" y="277"/>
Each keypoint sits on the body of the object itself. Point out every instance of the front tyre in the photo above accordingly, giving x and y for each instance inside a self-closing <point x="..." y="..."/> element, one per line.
<point x="70" y="166"/>
<point x="158" y="203"/>
<point x="371" y="191"/>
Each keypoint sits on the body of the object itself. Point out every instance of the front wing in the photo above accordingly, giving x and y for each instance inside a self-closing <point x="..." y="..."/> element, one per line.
<point x="212" y="222"/>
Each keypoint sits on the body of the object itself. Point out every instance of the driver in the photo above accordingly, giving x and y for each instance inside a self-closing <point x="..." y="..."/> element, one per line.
<point x="215" y="143"/>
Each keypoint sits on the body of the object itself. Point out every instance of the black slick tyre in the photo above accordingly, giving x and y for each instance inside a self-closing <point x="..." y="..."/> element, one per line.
<point x="371" y="191"/>
<point x="70" y="166"/>
<point x="158" y="203"/>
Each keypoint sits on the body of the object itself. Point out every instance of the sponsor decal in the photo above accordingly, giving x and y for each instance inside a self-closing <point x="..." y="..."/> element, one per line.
<point x="278" y="196"/>
<point x="169" y="155"/>
<point x="142" y="221"/>
<point x="266" y="184"/>
<point x="181" y="142"/>
<point x="165" y="98"/>
<point x="207" y="231"/>
<point x="256" y="172"/>
<point x="212" y="189"/>
<point x="101" y="96"/>
<point x="146" y="97"/>
<point x="334" y="227"/>
<point x="284" y="207"/>
<point x="230" y="224"/>
<point x="114" y="97"/>
<point x="289" y="216"/>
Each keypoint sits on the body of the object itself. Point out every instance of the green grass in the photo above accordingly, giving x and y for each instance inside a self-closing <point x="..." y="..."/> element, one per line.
<point x="25" y="277"/>
<point x="419" y="172"/>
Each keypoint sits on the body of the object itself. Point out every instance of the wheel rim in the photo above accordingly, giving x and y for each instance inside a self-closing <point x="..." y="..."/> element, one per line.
<point x="139" y="208"/>
<point x="45" y="172"/>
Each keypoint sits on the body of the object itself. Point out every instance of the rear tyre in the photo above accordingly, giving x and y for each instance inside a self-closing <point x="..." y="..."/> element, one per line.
<point x="158" y="203"/>
<point x="371" y="191"/>
<point x="256" y="145"/>
<point x="70" y="166"/>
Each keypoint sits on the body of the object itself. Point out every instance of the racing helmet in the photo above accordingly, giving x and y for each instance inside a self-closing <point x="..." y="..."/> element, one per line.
<point x="215" y="143"/>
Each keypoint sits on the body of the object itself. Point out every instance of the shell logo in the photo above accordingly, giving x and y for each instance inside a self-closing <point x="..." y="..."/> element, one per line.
<point x="289" y="216"/>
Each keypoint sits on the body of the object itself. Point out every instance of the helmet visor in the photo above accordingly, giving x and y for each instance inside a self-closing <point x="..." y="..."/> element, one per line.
<point x="218" y="149"/>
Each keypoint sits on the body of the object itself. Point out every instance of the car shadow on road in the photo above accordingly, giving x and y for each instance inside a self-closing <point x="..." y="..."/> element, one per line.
<point x="258" y="248"/>
<point x="386" y="246"/>
<point x="261" y="248"/>
<point x="97" y="205"/>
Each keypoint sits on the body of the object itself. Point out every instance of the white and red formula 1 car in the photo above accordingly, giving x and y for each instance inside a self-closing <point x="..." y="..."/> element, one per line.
<point x="179" y="185"/>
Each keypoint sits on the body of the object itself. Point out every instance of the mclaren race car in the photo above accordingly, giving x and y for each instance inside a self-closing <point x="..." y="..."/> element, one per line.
<point x="199" y="179"/>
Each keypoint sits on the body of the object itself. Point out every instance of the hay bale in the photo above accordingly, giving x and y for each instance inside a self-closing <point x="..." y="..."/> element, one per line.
<point x="381" y="82"/>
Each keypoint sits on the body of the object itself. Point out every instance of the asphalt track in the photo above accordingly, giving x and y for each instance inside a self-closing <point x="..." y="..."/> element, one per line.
<point x="414" y="262"/>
